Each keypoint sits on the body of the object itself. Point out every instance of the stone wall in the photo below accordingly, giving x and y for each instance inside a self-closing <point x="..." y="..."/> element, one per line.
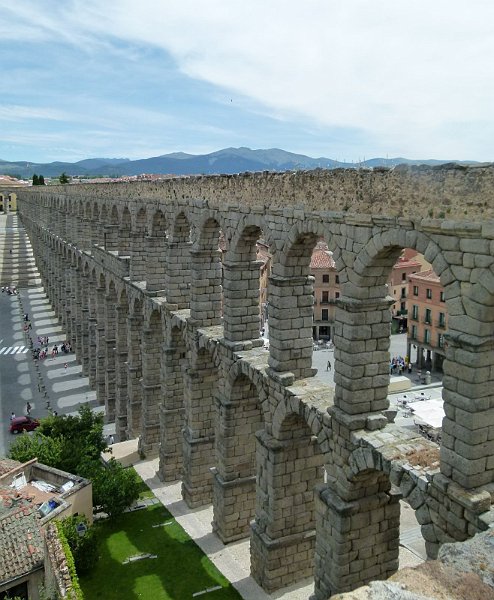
<point x="318" y="471"/>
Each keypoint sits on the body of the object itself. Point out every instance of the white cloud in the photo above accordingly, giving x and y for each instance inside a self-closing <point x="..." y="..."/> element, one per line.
<point x="414" y="78"/>
<point x="12" y="112"/>
<point x="402" y="72"/>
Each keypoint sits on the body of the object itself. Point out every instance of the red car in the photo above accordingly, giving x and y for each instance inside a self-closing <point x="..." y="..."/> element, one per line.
<point x="20" y="424"/>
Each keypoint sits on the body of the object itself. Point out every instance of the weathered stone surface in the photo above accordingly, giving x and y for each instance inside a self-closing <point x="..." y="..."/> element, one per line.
<point x="167" y="329"/>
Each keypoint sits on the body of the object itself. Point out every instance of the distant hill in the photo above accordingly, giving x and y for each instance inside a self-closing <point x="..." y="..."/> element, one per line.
<point x="226" y="161"/>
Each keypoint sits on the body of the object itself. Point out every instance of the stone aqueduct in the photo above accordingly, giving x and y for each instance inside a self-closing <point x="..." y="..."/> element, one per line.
<point x="167" y="330"/>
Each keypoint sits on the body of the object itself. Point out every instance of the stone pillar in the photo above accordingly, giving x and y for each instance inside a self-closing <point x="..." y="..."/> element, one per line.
<point x="357" y="541"/>
<point x="98" y="233"/>
<point x="172" y="412"/>
<point x="110" y="350"/>
<point x="138" y="255"/>
<point x="121" y="396"/>
<point x="283" y="533"/>
<point x="100" y="345"/>
<point x="234" y="481"/>
<point x="155" y="263"/>
<point x="362" y="331"/>
<point x="177" y="277"/>
<point x="198" y="433"/>
<point x="241" y="300"/>
<point x="92" y="323"/>
<point x="205" y="292"/>
<point x="152" y="341"/>
<point x="290" y="326"/>
<point x="84" y="351"/>
<point x="110" y="237"/>
<point x="134" y="375"/>
<point x="467" y="447"/>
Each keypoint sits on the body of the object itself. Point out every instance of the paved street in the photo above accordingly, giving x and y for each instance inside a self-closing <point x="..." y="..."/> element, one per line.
<point x="47" y="385"/>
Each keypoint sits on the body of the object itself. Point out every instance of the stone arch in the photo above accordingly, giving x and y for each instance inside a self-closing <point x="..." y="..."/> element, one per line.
<point x="245" y="281"/>
<point x="180" y="230"/>
<point x="178" y="276"/>
<point x="200" y="391"/>
<point x="291" y="301"/>
<point x="413" y="485"/>
<point x="174" y="364"/>
<point x="240" y="417"/>
<point x="208" y="232"/>
<point x="134" y="365"/>
<point x="121" y="350"/>
<point x="125" y="231"/>
<point x="152" y="345"/>
<point x="158" y="223"/>
<point x="206" y="274"/>
<point x="290" y="468"/>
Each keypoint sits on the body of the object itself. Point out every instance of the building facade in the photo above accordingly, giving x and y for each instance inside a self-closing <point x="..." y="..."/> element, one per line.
<point x="427" y="321"/>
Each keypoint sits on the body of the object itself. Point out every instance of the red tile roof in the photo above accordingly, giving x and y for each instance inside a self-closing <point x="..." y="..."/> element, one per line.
<point x="21" y="539"/>
<point x="322" y="259"/>
<point x="426" y="276"/>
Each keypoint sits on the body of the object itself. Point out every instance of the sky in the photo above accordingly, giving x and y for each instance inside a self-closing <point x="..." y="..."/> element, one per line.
<point x="348" y="80"/>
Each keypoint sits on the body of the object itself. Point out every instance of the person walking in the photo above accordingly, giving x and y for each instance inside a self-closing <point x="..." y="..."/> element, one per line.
<point x="12" y="416"/>
<point x="328" y="366"/>
<point x="28" y="409"/>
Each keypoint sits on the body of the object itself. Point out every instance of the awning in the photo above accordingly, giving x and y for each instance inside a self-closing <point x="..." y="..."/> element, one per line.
<point x="430" y="412"/>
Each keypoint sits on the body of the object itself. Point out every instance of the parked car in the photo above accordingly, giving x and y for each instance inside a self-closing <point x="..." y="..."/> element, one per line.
<point x="20" y="424"/>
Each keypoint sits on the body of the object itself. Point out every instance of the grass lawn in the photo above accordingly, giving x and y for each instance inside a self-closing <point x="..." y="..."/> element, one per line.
<point x="179" y="571"/>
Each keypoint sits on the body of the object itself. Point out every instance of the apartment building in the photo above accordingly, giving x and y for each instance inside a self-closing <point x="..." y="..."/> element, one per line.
<point x="427" y="320"/>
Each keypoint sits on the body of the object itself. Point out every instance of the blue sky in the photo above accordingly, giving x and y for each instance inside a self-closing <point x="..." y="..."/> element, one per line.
<point x="345" y="80"/>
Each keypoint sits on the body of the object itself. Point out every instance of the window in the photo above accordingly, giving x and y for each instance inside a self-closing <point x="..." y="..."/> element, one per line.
<point x="403" y="276"/>
<point x="403" y="307"/>
<point x="414" y="332"/>
<point x="427" y="336"/>
<point x="325" y="314"/>
<point x="325" y="297"/>
<point x="403" y="292"/>
<point x="337" y="279"/>
<point x="337" y="294"/>
<point x="428" y="293"/>
<point x="415" y="312"/>
<point x="428" y="316"/>
<point x="415" y="290"/>
<point x="325" y="278"/>
<point x="440" y="340"/>
<point x="441" y="296"/>
<point x="442" y="320"/>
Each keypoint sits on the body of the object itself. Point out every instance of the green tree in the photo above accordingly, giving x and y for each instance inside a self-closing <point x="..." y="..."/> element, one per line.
<point x="63" y="178"/>
<point x="115" y="488"/>
<point x="84" y="548"/>
<point x="35" y="179"/>
<point x="47" y="450"/>
<point x="66" y="442"/>
<point x="41" y="180"/>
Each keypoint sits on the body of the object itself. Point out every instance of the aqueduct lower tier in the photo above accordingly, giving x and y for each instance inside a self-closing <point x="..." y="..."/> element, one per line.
<point x="167" y="330"/>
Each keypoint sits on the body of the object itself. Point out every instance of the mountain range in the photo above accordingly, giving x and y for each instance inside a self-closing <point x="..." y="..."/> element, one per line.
<point x="226" y="161"/>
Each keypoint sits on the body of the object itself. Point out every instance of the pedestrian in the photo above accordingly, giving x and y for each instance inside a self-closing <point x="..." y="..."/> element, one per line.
<point x="328" y="366"/>
<point x="28" y="409"/>
<point x="65" y="367"/>
<point x="12" y="416"/>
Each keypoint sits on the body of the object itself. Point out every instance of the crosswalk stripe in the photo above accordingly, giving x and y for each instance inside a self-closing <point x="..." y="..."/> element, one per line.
<point x="13" y="350"/>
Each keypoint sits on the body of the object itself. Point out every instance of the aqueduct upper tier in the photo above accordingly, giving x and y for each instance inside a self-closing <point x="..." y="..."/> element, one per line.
<point x="167" y="329"/>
